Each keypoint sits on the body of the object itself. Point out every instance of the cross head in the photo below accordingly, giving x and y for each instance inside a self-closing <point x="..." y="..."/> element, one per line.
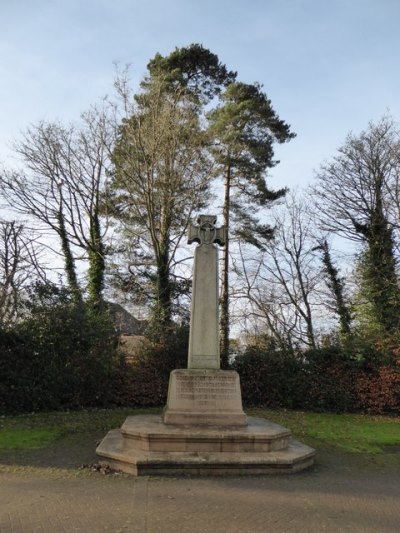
<point x="205" y="231"/>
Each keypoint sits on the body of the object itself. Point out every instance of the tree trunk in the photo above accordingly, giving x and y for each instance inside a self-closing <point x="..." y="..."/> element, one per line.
<point x="69" y="263"/>
<point x="336" y="286"/>
<point x="380" y="270"/>
<point x="224" y="320"/>
<point x="96" y="264"/>
<point x="162" y="314"/>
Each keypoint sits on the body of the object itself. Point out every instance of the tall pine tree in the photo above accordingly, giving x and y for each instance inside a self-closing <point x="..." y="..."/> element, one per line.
<point x="243" y="129"/>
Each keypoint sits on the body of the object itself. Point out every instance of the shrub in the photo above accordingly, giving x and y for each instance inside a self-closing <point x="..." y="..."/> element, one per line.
<point x="146" y="381"/>
<point x="15" y="375"/>
<point x="62" y="355"/>
<point x="269" y="377"/>
<point x="330" y="374"/>
<point x="378" y="390"/>
<point x="330" y="379"/>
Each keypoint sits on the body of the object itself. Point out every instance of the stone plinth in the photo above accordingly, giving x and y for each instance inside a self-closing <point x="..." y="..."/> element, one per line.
<point x="204" y="397"/>
<point x="145" y="446"/>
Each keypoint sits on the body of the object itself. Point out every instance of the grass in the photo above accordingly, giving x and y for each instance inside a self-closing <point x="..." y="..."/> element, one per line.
<point x="38" y="430"/>
<point x="28" y="439"/>
<point x="350" y="433"/>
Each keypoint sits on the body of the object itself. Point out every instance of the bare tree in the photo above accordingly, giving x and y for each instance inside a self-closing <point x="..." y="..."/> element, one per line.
<point x="357" y="196"/>
<point x="20" y="264"/>
<point x="60" y="187"/>
<point x="161" y="176"/>
<point x="284" y="283"/>
<point x="362" y="176"/>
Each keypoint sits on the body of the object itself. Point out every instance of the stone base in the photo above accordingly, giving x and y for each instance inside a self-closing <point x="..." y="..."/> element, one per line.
<point x="204" y="397"/>
<point x="145" y="445"/>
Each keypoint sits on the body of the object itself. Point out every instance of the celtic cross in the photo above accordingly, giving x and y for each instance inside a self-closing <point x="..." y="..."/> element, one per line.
<point x="206" y="232"/>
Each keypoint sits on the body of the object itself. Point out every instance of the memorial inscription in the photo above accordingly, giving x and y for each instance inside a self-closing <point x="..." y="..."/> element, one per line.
<point x="207" y="390"/>
<point x="204" y="391"/>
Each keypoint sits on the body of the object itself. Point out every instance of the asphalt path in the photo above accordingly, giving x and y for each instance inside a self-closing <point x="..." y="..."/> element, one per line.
<point x="48" y="492"/>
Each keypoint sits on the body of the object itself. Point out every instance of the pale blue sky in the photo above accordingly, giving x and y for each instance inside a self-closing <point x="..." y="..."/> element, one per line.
<point x="329" y="66"/>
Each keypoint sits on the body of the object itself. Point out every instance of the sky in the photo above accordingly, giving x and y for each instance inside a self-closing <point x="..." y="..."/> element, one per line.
<point x="328" y="66"/>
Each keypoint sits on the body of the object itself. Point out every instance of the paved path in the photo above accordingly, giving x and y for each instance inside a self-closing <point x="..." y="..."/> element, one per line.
<point x="332" y="497"/>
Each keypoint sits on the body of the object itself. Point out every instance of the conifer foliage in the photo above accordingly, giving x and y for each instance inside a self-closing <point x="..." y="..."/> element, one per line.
<point x="243" y="129"/>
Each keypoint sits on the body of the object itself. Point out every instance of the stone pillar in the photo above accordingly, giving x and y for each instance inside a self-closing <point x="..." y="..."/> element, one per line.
<point x="204" y="322"/>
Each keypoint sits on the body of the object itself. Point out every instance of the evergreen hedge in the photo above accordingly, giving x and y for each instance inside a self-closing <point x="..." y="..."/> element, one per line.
<point x="327" y="379"/>
<point x="60" y="356"/>
<point x="64" y="355"/>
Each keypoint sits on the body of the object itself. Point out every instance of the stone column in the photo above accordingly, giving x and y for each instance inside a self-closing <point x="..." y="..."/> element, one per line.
<point x="204" y="321"/>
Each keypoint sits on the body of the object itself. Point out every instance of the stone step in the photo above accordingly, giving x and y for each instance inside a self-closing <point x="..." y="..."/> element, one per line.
<point x="149" y="433"/>
<point x="116" y="452"/>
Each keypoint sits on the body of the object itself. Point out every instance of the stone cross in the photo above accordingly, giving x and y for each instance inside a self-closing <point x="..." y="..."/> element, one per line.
<point x="206" y="232"/>
<point x="204" y="322"/>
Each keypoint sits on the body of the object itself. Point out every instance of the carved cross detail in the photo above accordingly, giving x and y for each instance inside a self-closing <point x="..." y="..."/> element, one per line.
<point x="206" y="232"/>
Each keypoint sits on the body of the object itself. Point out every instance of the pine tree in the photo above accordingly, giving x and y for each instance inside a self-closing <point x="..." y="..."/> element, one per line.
<point x="243" y="129"/>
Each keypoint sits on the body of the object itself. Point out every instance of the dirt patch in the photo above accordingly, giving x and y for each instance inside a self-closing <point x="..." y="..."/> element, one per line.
<point x="391" y="448"/>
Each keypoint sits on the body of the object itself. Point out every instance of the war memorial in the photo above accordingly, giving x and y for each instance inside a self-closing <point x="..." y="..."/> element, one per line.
<point x="203" y="430"/>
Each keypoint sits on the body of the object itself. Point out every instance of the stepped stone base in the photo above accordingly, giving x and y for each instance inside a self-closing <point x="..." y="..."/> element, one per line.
<point x="146" y="445"/>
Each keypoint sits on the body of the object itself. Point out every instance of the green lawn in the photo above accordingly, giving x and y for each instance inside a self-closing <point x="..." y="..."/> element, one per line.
<point x="351" y="433"/>
<point x="28" y="439"/>
<point x="38" y="430"/>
